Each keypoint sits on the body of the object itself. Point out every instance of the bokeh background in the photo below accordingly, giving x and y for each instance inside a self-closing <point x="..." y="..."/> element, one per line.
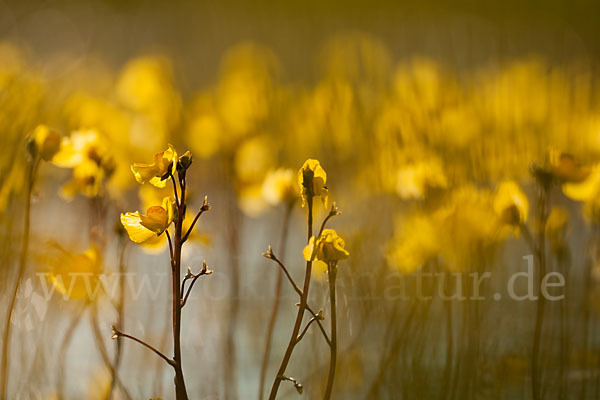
<point x="418" y="111"/>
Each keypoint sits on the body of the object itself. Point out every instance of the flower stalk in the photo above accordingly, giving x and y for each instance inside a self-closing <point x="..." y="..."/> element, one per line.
<point x="327" y="247"/>
<point x="31" y="174"/>
<point x="276" y="302"/>
<point x="141" y="227"/>
<point x="332" y="273"/>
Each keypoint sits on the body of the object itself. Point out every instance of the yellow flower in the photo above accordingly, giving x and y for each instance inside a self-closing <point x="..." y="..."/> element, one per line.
<point x="87" y="153"/>
<point x="312" y="179"/>
<point x="414" y="243"/>
<point x="329" y="247"/>
<point x="511" y="204"/>
<point x="87" y="180"/>
<point x="414" y="180"/>
<point x="565" y="167"/>
<point x="44" y="142"/>
<point x="279" y="187"/>
<point x="165" y="163"/>
<point x="142" y="227"/>
<point x="80" y="146"/>
<point x="585" y="190"/>
<point x="76" y="275"/>
<point x="253" y="158"/>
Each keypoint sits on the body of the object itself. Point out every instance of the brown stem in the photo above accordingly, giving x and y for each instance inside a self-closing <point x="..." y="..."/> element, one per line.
<point x="120" y="312"/>
<point x="301" y="309"/>
<point x="194" y="278"/>
<point x="146" y="345"/>
<point x="540" y="251"/>
<point x="180" y="390"/>
<point x="20" y="272"/>
<point x="332" y="267"/>
<point x="205" y="207"/>
<point x="275" y="307"/>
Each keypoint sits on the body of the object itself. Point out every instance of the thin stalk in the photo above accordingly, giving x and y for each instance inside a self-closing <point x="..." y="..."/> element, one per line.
<point x="276" y="302"/>
<point x="33" y="165"/>
<point x="333" y="346"/>
<point x="148" y="346"/>
<point x="301" y="309"/>
<point x="120" y="312"/>
<point x="180" y="390"/>
<point x="540" y="251"/>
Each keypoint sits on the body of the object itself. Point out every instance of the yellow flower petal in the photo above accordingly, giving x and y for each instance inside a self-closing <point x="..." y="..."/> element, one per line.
<point x="136" y="231"/>
<point x="143" y="172"/>
<point x="585" y="190"/>
<point x="312" y="178"/>
<point x="309" y="250"/>
<point x="155" y="219"/>
<point x="154" y="173"/>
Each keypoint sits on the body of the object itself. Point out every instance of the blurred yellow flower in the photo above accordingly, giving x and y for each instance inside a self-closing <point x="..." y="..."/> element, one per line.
<point x="279" y="187"/>
<point x="87" y="153"/>
<point x="245" y="88"/>
<point x="312" y="179"/>
<point x="329" y="247"/>
<point x="165" y="163"/>
<point x="565" y="168"/>
<point x="87" y="180"/>
<point x="142" y="227"/>
<point x="76" y="275"/>
<point x="44" y="142"/>
<point x="204" y="128"/>
<point x="81" y="146"/>
<point x="415" y="241"/>
<point x="415" y="179"/>
<point x="510" y="203"/>
<point x="254" y="157"/>
<point x="251" y="200"/>
<point x="468" y="224"/>
<point x="584" y="190"/>
<point x="145" y="85"/>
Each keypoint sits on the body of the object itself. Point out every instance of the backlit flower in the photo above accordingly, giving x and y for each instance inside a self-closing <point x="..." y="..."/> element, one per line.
<point x="86" y="152"/>
<point x="165" y="163"/>
<point x="312" y="179"/>
<point x="329" y="247"/>
<point x="142" y="227"/>
<point x="44" y="142"/>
